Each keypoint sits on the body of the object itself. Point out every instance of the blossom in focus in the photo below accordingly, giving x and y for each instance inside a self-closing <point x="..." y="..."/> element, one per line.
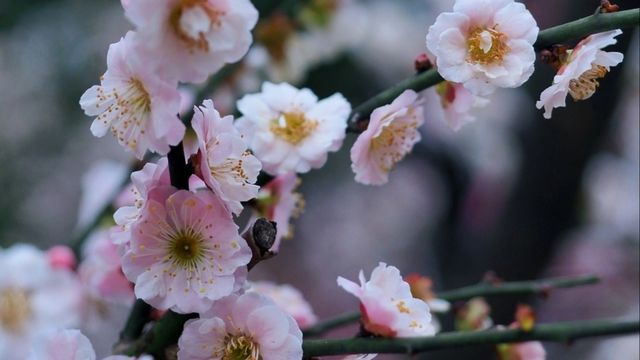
<point x="188" y="40"/>
<point x="288" y="299"/>
<point x="453" y="103"/>
<point x="224" y="162"/>
<point x="185" y="251"/>
<point x="278" y="201"/>
<point x="289" y="129"/>
<point x="28" y="283"/>
<point x="248" y="327"/>
<point x="137" y="106"/>
<point x="473" y="315"/>
<point x="387" y="305"/>
<point x="580" y="71"/>
<point x="484" y="44"/>
<point x="101" y="273"/>
<point x="151" y="175"/>
<point x="69" y="344"/>
<point x="390" y="136"/>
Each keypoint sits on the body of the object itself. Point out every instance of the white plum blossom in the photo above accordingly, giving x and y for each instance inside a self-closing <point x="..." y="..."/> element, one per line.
<point x="61" y="344"/>
<point x="388" y="308"/>
<point x="290" y="130"/>
<point x="34" y="298"/>
<point x="185" y="251"/>
<point x="188" y="40"/>
<point x="390" y="136"/>
<point x="452" y="104"/>
<point x="484" y="44"/>
<point x="249" y="327"/>
<point x="579" y="73"/>
<point x="138" y="107"/>
<point x="288" y="299"/>
<point x="224" y="162"/>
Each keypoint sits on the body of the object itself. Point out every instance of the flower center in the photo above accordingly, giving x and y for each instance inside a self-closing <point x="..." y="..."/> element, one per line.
<point x="240" y="347"/>
<point x="585" y="86"/>
<point x="486" y="46"/>
<point x="185" y="248"/>
<point x="191" y="20"/>
<point x="292" y="127"/>
<point x="14" y="309"/>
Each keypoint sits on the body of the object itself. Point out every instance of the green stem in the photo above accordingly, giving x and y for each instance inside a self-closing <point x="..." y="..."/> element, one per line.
<point x="543" y="287"/>
<point x="560" y="332"/>
<point x="136" y="321"/>
<point x="555" y="35"/>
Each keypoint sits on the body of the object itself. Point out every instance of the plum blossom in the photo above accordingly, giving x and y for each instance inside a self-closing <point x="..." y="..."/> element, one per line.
<point x="101" y="271"/>
<point x="151" y="175"/>
<point x="453" y="103"/>
<point x="185" y="251"/>
<point x="474" y="315"/>
<point x="224" y="162"/>
<point x="580" y="71"/>
<point x="248" y="327"/>
<point x="187" y="40"/>
<point x="69" y="344"/>
<point x="100" y="184"/>
<point x="288" y="299"/>
<point x="278" y="201"/>
<point x="530" y="350"/>
<point x="290" y="130"/>
<point x="138" y="107"/>
<point x="28" y="283"/>
<point x="484" y="44"/>
<point x="61" y="257"/>
<point x="388" y="308"/>
<point x="390" y="136"/>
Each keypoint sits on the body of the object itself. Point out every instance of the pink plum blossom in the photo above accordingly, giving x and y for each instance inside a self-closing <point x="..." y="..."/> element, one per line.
<point x="390" y="136"/>
<point x="101" y="271"/>
<point x="225" y="164"/>
<point x="188" y="40"/>
<point x="530" y="350"/>
<point x="388" y="308"/>
<point x="579" y="73"/>
<point x="151" y="175"/>
<point x="248" y="327"/>
<point x="137" y="106"/>
<point x="61" y="257"/>
<point x="69" y="344"/>
<point x="288" y="299"/>
<point x="185" y="251"/>
<point x="453" y="104"/>
<point x="484" y="44"/>
<point x="278" y="201"/>
<point x="28" y="284"/>
<point x="290" y="130"/>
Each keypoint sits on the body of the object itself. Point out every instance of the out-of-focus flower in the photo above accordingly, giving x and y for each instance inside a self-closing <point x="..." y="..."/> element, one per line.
<point x="484" y="44"/>
<point x="187" y="40"/>
<point x="453" y="103"/>
<point x="185" y="251"/>
<point x="290" y="130"/>
<point x="225" y="164"/>
<point x="143" y="181"/>
<point x="387" y="306"/>
<point x="580" y="71"/>
<point x="278" y="201"/>
<point x="61" y="257"/>
<point x="473" y="315"/>
<point x="60" y="344"/>
<point x="288" y="299"/>
<point x="100" y="184"/>
<point x="390" y="136"/>
<point x="137" y="106"/>
<point x="249" y="327"/>
<point x="525" y="317"/>
<point x="530" y="350"/>
<point x="101" y="271"/>
<point x="34" y="298"/>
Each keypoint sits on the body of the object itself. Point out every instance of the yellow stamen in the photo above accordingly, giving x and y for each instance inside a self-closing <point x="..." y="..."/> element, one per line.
<point x="292" y="127"/>
<point x="585" y="86"/>
<point x="486" y="46"/>
<point x="14" y="309"/>
<point x="240" y="347"/>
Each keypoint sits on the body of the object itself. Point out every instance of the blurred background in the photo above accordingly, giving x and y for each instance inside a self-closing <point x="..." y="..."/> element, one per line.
<point x="511" y="193"/>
